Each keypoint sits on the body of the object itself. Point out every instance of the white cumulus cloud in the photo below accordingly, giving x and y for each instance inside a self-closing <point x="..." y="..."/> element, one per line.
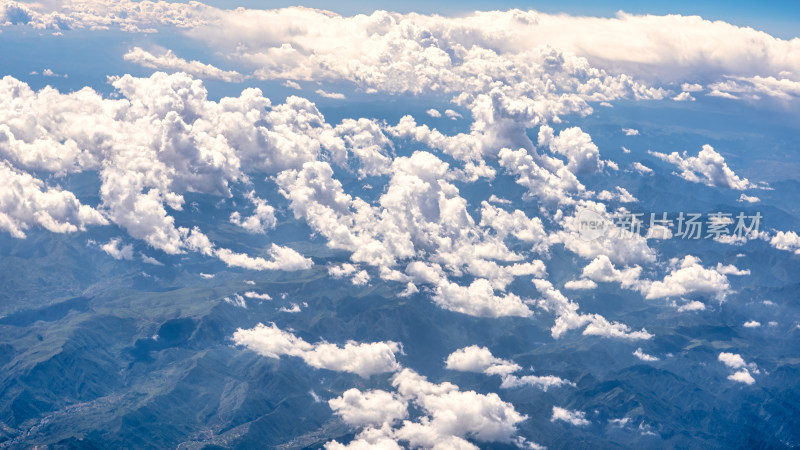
<point x="708" y="167"/>
<point x="117" y="251"/>
<point x="644" y="356"/>
<point x="167" y="60"/>
<point x="363" y="359"/>
<point x="577" y="418"/>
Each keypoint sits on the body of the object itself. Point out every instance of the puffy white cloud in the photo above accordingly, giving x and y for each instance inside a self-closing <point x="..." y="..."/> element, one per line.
<point x="369" y="408"/>
<point x="550" y="187"/>
<point x="452" y="114"/>
<point x="581" y="284"/>
<point x="786" y="240"/>
<point x="433" y="113"/>
<point x="748" y="198"/>
<point x="568" y="318"/>
<point x="641" y="168"/>
<point x="365" y="140"/>
<point x="517" y="224"/>
<point x="708" y="167"/>
<point x="164" y="138"/>
<point x="236" y="300"/>
<point x="341" y="270"/>
<point x="693" y="305"/>
<point x="333" y="95"/>
<point x="448" y="418"/>
<point x="285" y="258"/>
<point x="451" y="412"/>
<point x="410" y="289"/>
<point x="349" y="223"/>
<point x="319" y="198"/>
<point x="755" y="87"/>
<point x="620" y="249"/>
<point x="292" y="84"/>
<point x="671" y="47"/>
<point x="577" y="418"/>
<point x="601" y="269"/>
<point x="495" y="199"/>
<point x="582" y="154"/>
<point x="167" y="60"/>
<point x="357" y="277"/>
<point x="644" y="356"/>
<point x="20" y="143"/>
<point x="732" y="360"/>
<point x="25" y="201"/>
<point x="741" y="369"/>
<point x="691" y="87"/>
<point x="262" y="219"/>
<point x="479" y="359"/>
<point x="600" y="326"/>
<point x="367" y="42"/>
<point x="256" y="295"/>
<point x="151" y="260"/>
<point x="294" y="308"/>
<point x="718" y="93"/>
<point x="50" y="73"/>
<point x="281" y="258"/>
<point x="742" y="376"/>
<point x="370" y="438"/>
<point x="161" y="139"/>
<point x="688" y="276"/>
<point x="751" y="324"/>
<point x="622" y="195"/>
<point x="363" y="359"/>
<point x="116" y="251"/>
<point x="479" y="299"/>
<point x="420" y="203"/>
<point x="129" y="16"/>
<point x="543" y="382"/>
<point x="421" y="216"/>
<point x="630" y="131"/>
<point x="420" y="230"/>
<point x="461" y="146"/>
<point x="684" y="97"/>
